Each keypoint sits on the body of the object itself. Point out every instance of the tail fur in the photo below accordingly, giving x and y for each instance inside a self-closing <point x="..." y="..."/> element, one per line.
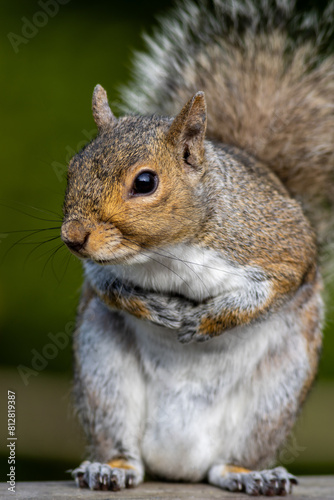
<point x="268" y="75"/>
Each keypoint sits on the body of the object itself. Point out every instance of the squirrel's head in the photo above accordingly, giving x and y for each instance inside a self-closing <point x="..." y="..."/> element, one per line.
<point x="136" y="186"/>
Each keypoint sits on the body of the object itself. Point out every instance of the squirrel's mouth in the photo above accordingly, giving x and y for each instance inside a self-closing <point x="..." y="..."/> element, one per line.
<point x="100" y="242"/>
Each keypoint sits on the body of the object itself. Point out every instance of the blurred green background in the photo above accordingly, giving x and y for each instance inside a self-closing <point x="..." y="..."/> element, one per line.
<point x="47" y="79"/>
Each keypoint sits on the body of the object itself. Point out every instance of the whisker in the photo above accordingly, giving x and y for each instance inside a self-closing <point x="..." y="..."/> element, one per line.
<point x="187" y="264"/>
<point x="47" y="251"/>
<point x="164" y="265"/>
<point x="31" y="230"/>
<point x="30" y="215"/>
<point x="138" y="218"/>
<point x="38" y="246"/>
<point x="31" y="233"/>
<point x="52" y="263"/>
<point x="52" y="257"/>
<point x="46" y="211"/>
<point x="204" y="266"/>
<point x="66" y="266"/>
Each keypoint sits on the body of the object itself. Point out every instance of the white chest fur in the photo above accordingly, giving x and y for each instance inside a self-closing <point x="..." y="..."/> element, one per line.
<point x="196" y="273"/>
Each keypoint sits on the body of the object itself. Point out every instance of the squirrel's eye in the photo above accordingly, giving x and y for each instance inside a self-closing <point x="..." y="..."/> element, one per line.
<point x="145" y="183"/>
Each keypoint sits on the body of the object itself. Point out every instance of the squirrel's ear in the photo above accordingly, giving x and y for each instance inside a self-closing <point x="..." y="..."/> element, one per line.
<point x="102" y="113"/>
<point x="187" y="132"/>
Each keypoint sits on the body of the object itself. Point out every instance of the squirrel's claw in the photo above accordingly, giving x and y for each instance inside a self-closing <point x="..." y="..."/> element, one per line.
<point x="97" y="476"/>
<point x="272" y="482"/>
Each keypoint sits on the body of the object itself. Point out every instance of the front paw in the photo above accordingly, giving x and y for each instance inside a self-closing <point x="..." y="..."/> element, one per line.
<point x="188" y="333"/>
<point x="99" y="476"/>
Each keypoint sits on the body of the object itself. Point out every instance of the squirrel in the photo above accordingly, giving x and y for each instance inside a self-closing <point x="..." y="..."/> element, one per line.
<point x="198" y="217"/>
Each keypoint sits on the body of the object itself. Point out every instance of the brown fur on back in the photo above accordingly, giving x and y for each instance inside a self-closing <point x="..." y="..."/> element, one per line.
<point x="269" y="89"/>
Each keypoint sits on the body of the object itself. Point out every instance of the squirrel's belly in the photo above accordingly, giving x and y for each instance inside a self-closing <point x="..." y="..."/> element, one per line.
<point x="180" y="440"/>
<point x="182" y="436"/>
<point x="203" y="400"/>
<point x="190" y="427"/>
<point x="191" y="408"/>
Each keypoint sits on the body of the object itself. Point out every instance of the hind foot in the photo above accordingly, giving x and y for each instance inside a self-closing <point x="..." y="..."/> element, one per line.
<point x="115" y="475"/>
<point x="272" y="482"/>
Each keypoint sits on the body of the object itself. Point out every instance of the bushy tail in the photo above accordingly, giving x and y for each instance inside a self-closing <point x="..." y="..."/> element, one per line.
<point x="268" y="75"/>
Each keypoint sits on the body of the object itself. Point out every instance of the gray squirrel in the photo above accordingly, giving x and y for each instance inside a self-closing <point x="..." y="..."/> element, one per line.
<point x="198" y="216"/>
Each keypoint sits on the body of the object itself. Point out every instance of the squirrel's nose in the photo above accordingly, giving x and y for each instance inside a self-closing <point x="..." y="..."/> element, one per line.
<point x="75" y="235"/>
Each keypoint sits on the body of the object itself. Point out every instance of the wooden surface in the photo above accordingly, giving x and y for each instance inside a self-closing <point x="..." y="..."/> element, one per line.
<point x="320" y="487"/>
